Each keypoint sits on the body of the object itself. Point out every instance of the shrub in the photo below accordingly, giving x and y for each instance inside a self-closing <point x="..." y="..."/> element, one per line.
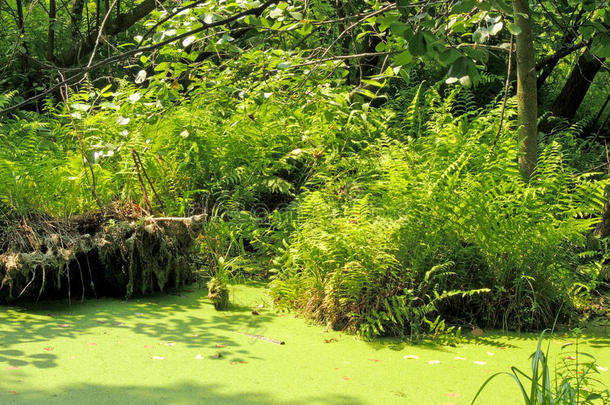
<point x="438" y="222"/>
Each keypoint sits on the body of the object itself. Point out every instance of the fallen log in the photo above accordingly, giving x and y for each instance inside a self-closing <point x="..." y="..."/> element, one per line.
<point x="91" y="255"/>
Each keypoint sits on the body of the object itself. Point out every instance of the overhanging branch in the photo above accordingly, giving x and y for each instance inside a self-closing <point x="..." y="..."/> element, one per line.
<point x="122" y="56"/>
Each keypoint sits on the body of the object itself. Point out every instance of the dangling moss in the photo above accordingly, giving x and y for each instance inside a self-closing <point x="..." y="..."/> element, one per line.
<point x="118" y="258"/>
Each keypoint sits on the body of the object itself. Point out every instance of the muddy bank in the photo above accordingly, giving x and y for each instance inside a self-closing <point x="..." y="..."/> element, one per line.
<point x="96" y="255"/>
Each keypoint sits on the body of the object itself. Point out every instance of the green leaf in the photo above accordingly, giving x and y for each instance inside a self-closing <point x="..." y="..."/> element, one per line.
<point x="399" y="28"/>
<point x="513" y="28"/>
<point x="296" y="15"/>
<point x="276" y="13"/>
<point x="380" y="47"/>
<point x="403" y="58"/>
<point x="464" y="71"/>
<point x="601" y="46"/>
<point x="496" y="28"/>
<point x="464" y="6"/>
<point x="80" y="107"/>
<point x="418" y="45"/>
<point x="448" y="56"/>
<point x="480" y="36"/>
<point x="188" y="40"/>
<point x="586" y="31"/>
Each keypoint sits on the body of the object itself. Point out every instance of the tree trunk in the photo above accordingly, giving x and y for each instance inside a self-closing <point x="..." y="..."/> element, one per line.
<point x="51" y="36"/>
<point x="113" y="27"/>
<point x="577" y="85"/>
<point x="76" y="17"/>
<point x="527" y="97"/>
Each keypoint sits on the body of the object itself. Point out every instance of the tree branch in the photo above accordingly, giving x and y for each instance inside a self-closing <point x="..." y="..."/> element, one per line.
<point x="116" y="58"/>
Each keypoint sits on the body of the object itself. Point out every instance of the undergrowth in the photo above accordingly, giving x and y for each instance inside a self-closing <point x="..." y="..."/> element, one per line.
<point x="435" y="218"/>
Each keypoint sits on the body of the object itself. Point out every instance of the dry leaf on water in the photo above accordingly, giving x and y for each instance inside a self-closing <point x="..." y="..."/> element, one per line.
<point x="49" y="348"/>
<point x="453" y="395"/>
<point x="346" y="378"/>
<point x="91" y="344"/>
<point x="12" y="392"/>
<point x="375" y="360"/>
<point x="12" y="368"/>
<point x="148" y="346"/>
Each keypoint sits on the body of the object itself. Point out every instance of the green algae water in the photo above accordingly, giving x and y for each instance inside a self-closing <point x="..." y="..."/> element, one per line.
<point x="176" y="349"/>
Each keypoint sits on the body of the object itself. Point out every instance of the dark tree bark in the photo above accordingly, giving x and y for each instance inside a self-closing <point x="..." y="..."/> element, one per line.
<point x="577" y="85"/>
<point x="527" y="92"/>
<point x="51" y="35"/>
<point x="113" y="27"/>
<point x="76" y="17"/>
<point x="370" y="64"/>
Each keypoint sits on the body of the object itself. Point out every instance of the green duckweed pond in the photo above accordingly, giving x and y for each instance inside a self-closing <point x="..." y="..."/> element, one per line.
<point x="176" y="349"/>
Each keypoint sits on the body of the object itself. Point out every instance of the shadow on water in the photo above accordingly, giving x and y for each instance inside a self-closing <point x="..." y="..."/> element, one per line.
<point x="166" y="318"/>
<point x="184" y="318"/>
<point x="180" y="394"/>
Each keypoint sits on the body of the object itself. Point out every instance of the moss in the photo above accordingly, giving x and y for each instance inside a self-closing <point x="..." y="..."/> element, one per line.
<point x="121" y="258"/>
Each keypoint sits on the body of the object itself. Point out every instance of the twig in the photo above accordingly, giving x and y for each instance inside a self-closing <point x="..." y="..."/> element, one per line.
<point x="263" y="338"/>
<point x="169" y="17"/>
<point x="81" y="144"/>
<point x="345" y="31"/>
<point x="343" y="57"/>
<point x="149" y="182"/>
<point x="100" y="31"/>
<point x="510" y="61"/>
<point x="142" y="185"/>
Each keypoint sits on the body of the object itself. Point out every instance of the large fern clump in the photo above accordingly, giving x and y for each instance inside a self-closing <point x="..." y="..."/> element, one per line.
<point x="435" y="218"/>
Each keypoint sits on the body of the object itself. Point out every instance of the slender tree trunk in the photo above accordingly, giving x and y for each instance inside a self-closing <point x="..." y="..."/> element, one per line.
<point x="84" y="46"/>
<point x="76" y="17"/>
<point x="601" y="111"/>
<point x="577" y="85"/>
<point x="51" y="36"/>
<point x="527" y="94"/>
<point x="21" y="25"/>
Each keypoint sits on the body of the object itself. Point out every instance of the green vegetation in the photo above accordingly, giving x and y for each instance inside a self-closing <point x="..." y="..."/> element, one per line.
<point x="571" y="383"/>
<point x="403" y="169"/>
<point x="111" y="352"/>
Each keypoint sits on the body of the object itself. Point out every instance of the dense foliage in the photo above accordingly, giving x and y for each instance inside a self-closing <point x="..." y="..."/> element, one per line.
<point x="374" y="199"/>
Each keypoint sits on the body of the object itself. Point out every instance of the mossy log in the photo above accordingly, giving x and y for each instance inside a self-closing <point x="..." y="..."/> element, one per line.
<point x="96" y="255"/>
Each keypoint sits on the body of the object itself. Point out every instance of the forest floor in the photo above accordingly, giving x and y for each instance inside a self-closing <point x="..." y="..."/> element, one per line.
<point x="176" y="349"/>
